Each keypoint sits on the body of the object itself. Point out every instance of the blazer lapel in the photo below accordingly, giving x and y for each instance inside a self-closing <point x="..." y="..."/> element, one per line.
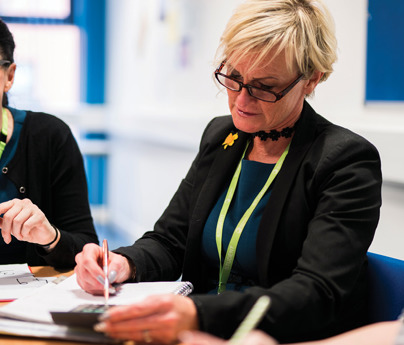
<point x="301" y="143"/>
<point x="219" y="176"/>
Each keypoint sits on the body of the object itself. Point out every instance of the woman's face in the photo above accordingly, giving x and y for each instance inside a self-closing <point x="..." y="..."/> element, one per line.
<point x="6" y="79"/>
<point x="252" y="115"/>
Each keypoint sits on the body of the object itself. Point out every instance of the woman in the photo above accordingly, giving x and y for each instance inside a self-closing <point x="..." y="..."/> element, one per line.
<point x="278" y="201"/>
<point x="46" y="217"/>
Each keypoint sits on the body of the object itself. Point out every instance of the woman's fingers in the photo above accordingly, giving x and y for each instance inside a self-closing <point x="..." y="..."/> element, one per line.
<point x="25" y="221"/>
<point x="89" y="271"/>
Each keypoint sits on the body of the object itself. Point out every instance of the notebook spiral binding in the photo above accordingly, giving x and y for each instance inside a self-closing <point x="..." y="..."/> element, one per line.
<point x="185" y="289"/>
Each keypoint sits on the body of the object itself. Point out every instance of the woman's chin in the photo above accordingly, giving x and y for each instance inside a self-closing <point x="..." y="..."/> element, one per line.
<point x="246" y="125"/>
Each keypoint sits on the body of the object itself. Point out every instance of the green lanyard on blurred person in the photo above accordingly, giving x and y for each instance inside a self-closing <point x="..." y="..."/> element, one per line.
<point x="225" y="269"/>
<point x="3" y="133"/>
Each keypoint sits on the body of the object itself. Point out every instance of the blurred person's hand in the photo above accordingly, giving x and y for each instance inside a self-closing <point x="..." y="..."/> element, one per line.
<point x="199" y="338"/>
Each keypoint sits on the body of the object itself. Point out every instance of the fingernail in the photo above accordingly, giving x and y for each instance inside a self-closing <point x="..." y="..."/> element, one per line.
<point x="100" y="327"/>
<point x="103" y="316"/>
<point x="112" y="290"/>
<point x="6" y="239"/>
<point x="112" y="276"/>
<point x="100" y="280"/>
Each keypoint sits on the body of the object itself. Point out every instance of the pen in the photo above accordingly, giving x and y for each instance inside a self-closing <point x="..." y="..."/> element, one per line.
<point x="105" y="268"/>
<point x="252" y="319"/>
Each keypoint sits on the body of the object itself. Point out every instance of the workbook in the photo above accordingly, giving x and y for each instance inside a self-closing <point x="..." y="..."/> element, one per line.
<point x="33" y="312"/>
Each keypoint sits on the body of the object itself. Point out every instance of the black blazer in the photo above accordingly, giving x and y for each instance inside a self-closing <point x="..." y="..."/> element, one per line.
<point x="311" y="244"/>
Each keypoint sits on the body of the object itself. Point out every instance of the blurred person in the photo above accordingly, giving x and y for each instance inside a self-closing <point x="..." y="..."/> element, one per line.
<point x="381" y="333"/>
<point x="45" y="214"/>
<point x="278" y="201"/>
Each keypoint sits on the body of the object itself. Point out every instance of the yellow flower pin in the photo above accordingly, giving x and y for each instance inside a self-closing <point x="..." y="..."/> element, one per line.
<point x="230" y="140"/>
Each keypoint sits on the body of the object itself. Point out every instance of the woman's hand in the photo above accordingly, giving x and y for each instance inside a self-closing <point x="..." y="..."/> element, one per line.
<point x="90" y="275"/>
<point x="199" y="338"/>
<point x="26" y="222"/>
<point x="156" y="319"/>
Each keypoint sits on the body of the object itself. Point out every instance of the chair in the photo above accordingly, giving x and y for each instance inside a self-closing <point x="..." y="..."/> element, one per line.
<point x="386" y="287"/>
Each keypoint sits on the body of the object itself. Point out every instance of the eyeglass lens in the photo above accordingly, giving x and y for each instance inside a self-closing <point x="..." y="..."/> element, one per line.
<point x="254" y="92"/>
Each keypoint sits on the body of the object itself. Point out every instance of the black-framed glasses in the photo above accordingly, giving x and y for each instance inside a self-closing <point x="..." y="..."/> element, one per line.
<point x="4" y="62"/>
<point x="263" y="95"/>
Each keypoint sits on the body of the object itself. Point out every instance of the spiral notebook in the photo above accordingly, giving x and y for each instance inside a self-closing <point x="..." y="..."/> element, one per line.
<point x="36" y="308"/>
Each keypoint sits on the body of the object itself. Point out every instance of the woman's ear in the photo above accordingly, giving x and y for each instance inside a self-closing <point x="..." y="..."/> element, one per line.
<point x="10" y="77"/>
<point x="312" y="82"/>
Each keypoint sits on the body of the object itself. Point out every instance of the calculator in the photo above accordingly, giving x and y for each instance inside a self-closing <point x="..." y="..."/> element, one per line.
<point x="85" y="315"/>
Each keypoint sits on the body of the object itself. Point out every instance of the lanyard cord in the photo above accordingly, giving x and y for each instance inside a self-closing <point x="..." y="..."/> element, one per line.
<point x="225" y="269"/>
<point x="3" y="134"/>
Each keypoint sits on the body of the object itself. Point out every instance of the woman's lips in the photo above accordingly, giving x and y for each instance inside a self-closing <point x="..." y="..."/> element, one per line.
<point x="245" y="113"/>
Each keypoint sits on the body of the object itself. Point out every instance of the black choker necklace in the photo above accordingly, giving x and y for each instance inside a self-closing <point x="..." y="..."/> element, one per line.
<point x="274" y="135"/>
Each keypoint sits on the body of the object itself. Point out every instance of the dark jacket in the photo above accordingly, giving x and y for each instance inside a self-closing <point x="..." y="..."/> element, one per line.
<point x="311" y="244"/>
<point x="47" y="168"/>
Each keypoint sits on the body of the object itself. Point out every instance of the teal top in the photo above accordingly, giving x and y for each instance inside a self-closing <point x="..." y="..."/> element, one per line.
<point x="244" y="271"/>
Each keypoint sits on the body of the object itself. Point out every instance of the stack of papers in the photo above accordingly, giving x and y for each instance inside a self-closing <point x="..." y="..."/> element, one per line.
<point x="51" y="331"/>
<point x="30" y="315"/>
<point x="17" y="281"/>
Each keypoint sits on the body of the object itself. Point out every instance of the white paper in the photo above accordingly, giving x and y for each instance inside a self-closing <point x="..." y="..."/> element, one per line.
<point x="67" y="295"/>
<point x="17" y="280"/>
<point x="14" y="270"/>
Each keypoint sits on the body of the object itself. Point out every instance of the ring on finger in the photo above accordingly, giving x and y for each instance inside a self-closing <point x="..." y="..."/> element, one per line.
<point x="147" y="337"/>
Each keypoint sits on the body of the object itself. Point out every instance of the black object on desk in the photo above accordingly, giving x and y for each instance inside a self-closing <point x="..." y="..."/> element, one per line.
<point x="85" y="315"/>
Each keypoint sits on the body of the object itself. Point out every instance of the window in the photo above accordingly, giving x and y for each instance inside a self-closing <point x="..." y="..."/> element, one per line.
<point x="385" y="53"/>
<point x="40" y="10"/>
<point x="60" y="52"/>
<point x="60" y="56"/>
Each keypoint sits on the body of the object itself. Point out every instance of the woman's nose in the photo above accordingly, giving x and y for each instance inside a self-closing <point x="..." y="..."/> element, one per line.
<point x="244" y="96"/>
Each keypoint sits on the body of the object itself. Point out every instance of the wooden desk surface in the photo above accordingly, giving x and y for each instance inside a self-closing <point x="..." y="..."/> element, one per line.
<point x="39" y="271"/>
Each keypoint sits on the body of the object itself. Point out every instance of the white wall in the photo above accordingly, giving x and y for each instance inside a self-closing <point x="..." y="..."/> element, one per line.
<point x="160" y="100"/>
<point x="158" y="107"/>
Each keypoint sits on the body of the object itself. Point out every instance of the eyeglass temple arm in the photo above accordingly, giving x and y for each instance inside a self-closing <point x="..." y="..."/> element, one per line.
<point x="284" y="92"/>
<point x="220" y="67"/>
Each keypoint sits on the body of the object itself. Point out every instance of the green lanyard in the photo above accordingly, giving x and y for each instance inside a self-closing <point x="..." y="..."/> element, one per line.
<point x="225" y="269"/>
<point x="3" y="134"/>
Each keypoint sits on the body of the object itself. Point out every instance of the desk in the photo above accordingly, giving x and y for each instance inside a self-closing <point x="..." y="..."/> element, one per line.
<point x="39" y="271"/>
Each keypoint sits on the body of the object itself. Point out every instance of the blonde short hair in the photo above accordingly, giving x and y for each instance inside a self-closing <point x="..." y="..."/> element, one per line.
<point x="304" y="29"/>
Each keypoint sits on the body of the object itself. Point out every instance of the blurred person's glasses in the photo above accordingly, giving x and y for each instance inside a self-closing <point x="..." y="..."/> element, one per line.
<point x="262" y="94"/>
<point x="4" y="62"/>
